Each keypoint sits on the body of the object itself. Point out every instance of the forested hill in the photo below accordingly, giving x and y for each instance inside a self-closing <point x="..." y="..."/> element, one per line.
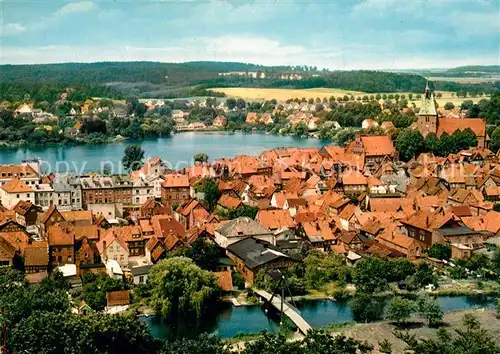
<point x="491" y="69"/>
<point x="207" y="73"/>
<point x="151" y="72"/>
<point x="168" y="80"/>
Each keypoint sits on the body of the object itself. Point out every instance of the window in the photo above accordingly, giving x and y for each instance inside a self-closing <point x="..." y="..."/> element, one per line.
<point x="28" y="195"/>
<point x="141" y="279"/>
<point x="17" y="195"/>
<point x="137" y="199"/>
<point x="4" y="263"/>
<point x="422" y="237"/>
<point x="121" y="258"/>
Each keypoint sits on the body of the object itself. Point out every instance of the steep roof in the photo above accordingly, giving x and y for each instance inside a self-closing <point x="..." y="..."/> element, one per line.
<point x="450" y="125"/>
<point x="176" y="181"/>
<point x="229" y="202"/>
<point x="378" y="145"/>
<point x="36" y="254"/>
<point x="60" y="236"/>
<point x="16" y="186"/>
<point x="275" y="219"/>
<point x="242" y="226"/>
<point x="428" y="107"/>
<point x="22" y="207"/>
<point x="255" y="253"/>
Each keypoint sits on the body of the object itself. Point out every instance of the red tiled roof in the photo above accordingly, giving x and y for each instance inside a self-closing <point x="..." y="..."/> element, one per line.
<point x="229" y="202"/>
<point x="275" y="219"/>
<point x="450" y="125"/>
<point x="60" y="236"/>
<point x="175" y="181"/>
<point x="378" y="145"/>
<point x="36" y="254"/>
<point x="118" y="298"/>
<point x="16" y="186"/>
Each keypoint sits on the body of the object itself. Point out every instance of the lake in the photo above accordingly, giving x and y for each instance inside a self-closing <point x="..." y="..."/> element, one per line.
<point x="177" y="149"/>
<point x="231" y="321"/>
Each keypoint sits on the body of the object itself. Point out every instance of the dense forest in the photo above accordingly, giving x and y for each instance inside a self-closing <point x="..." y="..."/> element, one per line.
<point x="170" y="80"/>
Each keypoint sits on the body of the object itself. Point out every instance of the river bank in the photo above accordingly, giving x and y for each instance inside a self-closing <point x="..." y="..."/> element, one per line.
<point x="229" y="321"/>
<point x="374" y="332"/>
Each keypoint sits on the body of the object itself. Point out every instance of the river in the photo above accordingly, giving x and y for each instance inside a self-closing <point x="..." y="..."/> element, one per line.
<point x="231" y="321"/>
<point x="177" y="149"/>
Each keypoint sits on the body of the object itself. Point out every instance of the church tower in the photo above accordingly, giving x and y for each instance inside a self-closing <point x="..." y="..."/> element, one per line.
<point x="427" y="120"/>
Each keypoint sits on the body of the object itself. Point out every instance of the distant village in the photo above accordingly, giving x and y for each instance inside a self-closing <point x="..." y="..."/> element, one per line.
<point x="279" y="117"/>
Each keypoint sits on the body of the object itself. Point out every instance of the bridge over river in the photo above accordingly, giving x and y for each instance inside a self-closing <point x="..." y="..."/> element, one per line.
<point x="290" y="311"/>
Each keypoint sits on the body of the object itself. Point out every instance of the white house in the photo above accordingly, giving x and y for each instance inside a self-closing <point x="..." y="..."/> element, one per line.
<point x="14" y="191"/>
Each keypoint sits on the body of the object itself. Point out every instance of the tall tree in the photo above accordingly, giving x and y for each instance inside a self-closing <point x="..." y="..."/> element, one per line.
<point x="409" y="143"/>
<point x="180" y="287"/>
<point x="211" y="193"/>
<point x="132" y="159"/>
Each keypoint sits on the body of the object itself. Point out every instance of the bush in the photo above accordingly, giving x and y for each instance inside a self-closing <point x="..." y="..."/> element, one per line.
<point x="366" y="308"/>
<point x="400" y="309"/>
<point x="430" y="310"/>
<point x="238" y="280"/>
<point x="440" y="250"/>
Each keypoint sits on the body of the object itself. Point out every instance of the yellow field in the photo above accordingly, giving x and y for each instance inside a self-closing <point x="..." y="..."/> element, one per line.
<point x="284" y="94"/>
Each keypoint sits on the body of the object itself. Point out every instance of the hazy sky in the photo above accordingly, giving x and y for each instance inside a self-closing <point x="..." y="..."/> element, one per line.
<point x="345" y="34"/>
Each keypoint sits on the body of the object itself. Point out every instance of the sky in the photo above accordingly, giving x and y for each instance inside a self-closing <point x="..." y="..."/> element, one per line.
<point x="337" y="35"/>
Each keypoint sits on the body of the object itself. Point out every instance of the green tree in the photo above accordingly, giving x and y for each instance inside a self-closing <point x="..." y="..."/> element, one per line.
<point x="203" y="344"/>
<point x="180" y="287"/>
<point x="370" y="275"/>
<point x="495" y="139"/>
<point x="429" y="309"/>
<point x="95" y="287"/>
<point x="231" y="103"/>
<point x="315" y="342"/>
<point x="321" y="268"/>
<point x="132" y="159"/>
<point x="244" y="210"/>
<point x="441" y="250"/>
<point x="400" y="309"/>
<point x="205" y="254"/>
<point x="409" y="143"/>
<point x="367" y="308"/>
<point x="211" y="193"/>
<point x="432" y="143"/>
<point x="449" y="105"/>
<point x="201" y="157"/>
<point x="472" y="339"/>
<point x="300" y="129"/>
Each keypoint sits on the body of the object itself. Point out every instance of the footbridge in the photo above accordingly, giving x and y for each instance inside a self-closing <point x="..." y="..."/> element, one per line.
<point x="288" y="310"/>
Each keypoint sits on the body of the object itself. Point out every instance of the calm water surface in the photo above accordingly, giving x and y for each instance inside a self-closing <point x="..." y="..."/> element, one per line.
<point x="231" y="321"/>
<point x="177" y="149"/>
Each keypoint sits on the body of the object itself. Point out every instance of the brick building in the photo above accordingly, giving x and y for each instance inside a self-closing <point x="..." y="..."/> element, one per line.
<point x="175" y="189"/>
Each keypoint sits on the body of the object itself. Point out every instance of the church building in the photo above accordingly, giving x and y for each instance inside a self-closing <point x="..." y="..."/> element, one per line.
<point x="429" y="122"/>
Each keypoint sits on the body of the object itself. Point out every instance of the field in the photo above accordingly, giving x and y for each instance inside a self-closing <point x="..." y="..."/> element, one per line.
<point x="466" y="80"/>
<point x="284" y="94"/>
